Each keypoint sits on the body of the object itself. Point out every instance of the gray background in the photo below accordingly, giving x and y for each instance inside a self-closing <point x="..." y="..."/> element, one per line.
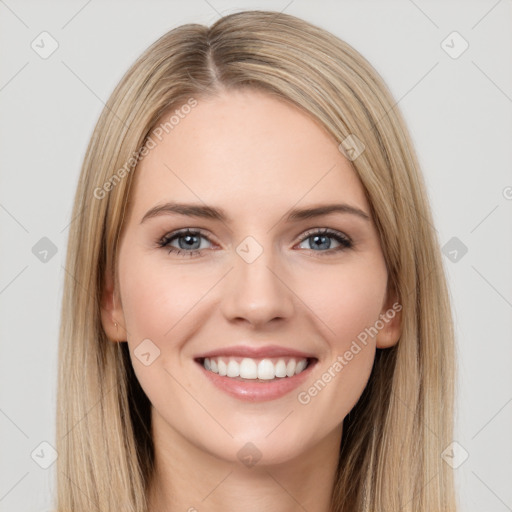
<point x="459" y="111"/>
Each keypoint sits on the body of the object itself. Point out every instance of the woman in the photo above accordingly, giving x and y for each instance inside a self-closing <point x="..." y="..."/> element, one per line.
<point x="212" y="358"/>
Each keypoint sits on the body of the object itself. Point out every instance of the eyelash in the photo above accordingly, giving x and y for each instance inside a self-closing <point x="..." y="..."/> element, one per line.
<point x="164" y="242"/>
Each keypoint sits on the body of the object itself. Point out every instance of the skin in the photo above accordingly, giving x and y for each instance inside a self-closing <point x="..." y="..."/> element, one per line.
<point x="256" y="157"/>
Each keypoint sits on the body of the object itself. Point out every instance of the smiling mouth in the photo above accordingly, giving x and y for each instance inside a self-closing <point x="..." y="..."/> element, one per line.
<point x="249" y="369"/>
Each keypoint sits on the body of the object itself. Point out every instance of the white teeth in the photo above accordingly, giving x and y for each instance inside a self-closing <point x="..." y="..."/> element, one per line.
<point x="290" y="368"/>
<point x="280" y="368"/>
<point x="233" y="369"/>
<point x="266" y="370"/>
<point x="300" y="366"/>
<point x="248" y="368"/>
<point x="223" y="369"/>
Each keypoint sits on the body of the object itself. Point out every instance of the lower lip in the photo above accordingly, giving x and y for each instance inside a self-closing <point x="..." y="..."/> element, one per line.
<point x="257" y="391"/>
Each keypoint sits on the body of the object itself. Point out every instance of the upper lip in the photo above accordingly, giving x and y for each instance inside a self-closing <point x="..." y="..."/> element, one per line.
<point x="256" y="352"/>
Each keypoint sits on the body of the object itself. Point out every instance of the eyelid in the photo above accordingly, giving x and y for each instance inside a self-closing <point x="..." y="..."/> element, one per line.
<point x="184" y="231"/>
<point x="343" y="239"/>
<point x="304" y="235"/>
<point x="168" y="237"/>
<point x="325" y="231"/>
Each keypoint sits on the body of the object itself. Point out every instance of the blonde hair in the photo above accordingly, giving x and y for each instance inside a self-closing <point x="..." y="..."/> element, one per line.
<point x="392" y="442"/>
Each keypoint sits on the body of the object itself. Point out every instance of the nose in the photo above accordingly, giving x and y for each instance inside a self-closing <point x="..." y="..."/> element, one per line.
<point x="257" y="292"/>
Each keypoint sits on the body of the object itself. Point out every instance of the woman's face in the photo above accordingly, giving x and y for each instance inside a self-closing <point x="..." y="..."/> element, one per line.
<point x="259" y="281"/>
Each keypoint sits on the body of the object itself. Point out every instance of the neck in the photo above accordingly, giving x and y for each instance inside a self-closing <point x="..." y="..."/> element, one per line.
<point x="189" y="479"/>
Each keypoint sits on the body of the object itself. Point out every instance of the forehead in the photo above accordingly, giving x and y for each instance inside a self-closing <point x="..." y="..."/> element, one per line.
<point x="245" y="151"/>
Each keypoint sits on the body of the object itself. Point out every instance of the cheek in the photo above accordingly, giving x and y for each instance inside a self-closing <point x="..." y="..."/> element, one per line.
<point x="160" y="303"/>
<point x="156" y="297"/>
<point x="346" y="299"/>
<point x="347" y="303"/>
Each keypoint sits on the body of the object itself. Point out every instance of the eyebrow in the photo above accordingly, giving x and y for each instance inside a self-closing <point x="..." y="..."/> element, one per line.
<point x="210" y="212"/>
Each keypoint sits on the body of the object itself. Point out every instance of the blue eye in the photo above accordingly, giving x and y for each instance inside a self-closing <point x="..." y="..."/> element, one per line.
<point x="322" y="239"/>
<point x="189" y="242"/>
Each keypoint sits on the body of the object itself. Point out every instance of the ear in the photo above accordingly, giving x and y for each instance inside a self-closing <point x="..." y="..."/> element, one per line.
<point x="391" y="318"/>
<point x="112" y="310"/>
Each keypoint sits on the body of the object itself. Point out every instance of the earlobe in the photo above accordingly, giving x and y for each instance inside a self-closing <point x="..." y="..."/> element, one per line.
<point x="390" y="325"/>
<point x="112" y="317"/>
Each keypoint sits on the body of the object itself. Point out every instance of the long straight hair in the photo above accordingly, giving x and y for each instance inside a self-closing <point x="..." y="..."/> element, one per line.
<point x="390" y="457"/>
